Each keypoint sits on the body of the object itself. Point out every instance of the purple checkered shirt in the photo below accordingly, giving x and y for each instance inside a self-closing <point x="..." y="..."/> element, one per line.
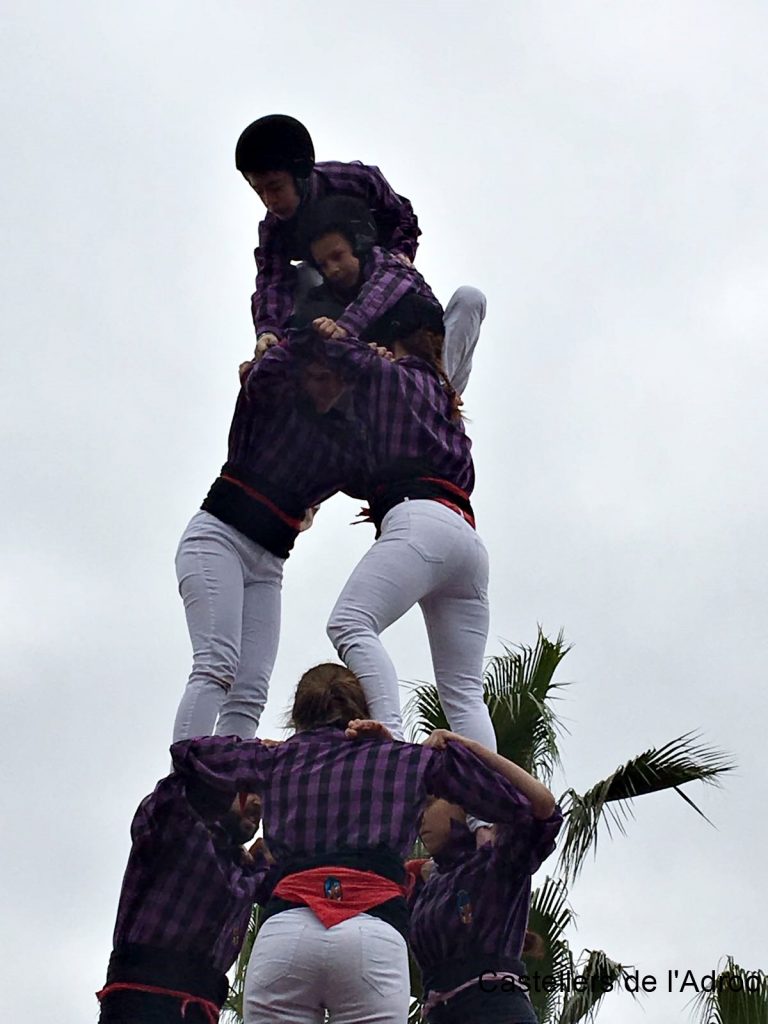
<point x="186" y="888"/>
<point x="322" y="792"/>
<point x="475" y="904"/>
<point x="385" y="280"/>
<point x="404" y="411"/>
<point x="272" y="302"/>
<point x="275" y="433"/>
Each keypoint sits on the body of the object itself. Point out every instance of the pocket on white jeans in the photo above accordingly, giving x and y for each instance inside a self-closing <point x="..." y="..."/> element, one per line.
<point x="384" y="964"/>
<point x="433" y="530"/>
<point x="274" y="951"/>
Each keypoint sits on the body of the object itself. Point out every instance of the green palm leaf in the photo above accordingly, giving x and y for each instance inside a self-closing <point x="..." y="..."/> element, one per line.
<point x="737" y="997"/>
<point x="232" y="1011"/>
<point x="549" y="917"/>
<point x="597" y="976"/>
<point x="680" y="761"/>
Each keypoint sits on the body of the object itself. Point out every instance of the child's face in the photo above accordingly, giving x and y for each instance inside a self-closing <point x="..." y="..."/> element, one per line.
<point x="277" y="190"/>
<point x="337" y="263"/>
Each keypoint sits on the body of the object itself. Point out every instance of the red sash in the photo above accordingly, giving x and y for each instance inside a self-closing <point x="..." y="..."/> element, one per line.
<point x="335" y="894"/>
<point x="211" y="1010"/>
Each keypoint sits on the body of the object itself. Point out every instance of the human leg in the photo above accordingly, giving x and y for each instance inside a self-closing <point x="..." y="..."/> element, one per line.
<point x="456" y="616"/>
<point x="389" y="579"/>
<point x="210" y="574"/>
<point x="463" y="318"/>
<point x="243" y="705"/>
<point x="367" y="981"/>
<point x="284" y="981"/>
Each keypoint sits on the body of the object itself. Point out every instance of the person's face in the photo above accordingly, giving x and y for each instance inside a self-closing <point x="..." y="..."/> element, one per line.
<point x="323" y="386"/>
<point x="277" y="190"/>
<point x="337" y="263"/>
<point x="436" y="821"/>
<point x="243" y="818"/>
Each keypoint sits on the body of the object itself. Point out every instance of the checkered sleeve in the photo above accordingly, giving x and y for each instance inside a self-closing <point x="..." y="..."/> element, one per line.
<point x="387" y="282"/>
<point x="272" y="302"/>
<point x="459" y="775"/>
<point x="224" y="763"/>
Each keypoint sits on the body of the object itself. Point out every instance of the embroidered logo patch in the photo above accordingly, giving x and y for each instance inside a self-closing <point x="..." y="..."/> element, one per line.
<point x="332" y="889"/>
<point x="464" y="906"/>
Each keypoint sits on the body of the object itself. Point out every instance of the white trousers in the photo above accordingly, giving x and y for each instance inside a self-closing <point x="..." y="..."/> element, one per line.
<point x="231" y="591"/>
<point x="357" y="971"/>
<point x="429" y="555"/>
<point x="462" y="319"/>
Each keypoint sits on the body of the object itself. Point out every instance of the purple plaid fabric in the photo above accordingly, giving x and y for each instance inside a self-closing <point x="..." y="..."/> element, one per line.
<point x="186" y="888"/>
<point x="384" y="281"/>
<point x="404" y="410"/>
<point x="322" y="792"/>
<point x="272" y="302"/>
<point x="476" y="903"/>
<point x="275" y="433"/>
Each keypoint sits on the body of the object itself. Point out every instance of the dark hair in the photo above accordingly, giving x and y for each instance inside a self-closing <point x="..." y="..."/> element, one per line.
<point x="328" y="694"/>
<point x="428" y="345"/>
<point x="339" y="214"/>
<point x="534" y="946"/>
<point x="275" y="143"/>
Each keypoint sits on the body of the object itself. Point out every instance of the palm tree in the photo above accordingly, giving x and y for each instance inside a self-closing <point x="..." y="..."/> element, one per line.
<point x="736" y="996"/>
<point x="520" y="690"/>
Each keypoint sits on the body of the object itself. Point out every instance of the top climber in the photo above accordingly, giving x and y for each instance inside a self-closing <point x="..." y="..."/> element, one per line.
<point x="277" y="158"/>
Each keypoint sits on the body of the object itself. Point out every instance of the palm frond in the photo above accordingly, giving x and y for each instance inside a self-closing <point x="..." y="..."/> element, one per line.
<point x="737" y="996"/>
<point x="232" y="1011"/>
<point x="518" y="687"/>
<point x="597" y="975"/>
<point x="678" y="762"/>
<point x="550" y="915"/>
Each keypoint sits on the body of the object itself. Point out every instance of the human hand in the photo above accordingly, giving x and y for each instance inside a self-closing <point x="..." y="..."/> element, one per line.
<point x="270" y="744"/>
<point x="484" y="834"/>
<point x="403" y="258"/>
<point x="439" y="737"/>
<point x="380" y="350"/>
<point x="244" y="369"/>
<point x="360" y="727"/>
<point x="264" y="342"/>
<point x="328" y="328"/>
<point x="309" y="518"/>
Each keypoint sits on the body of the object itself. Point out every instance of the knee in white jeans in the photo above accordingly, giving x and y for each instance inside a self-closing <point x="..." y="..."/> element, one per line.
<point x="469" y="299"/>
<point x="348" y="624"/>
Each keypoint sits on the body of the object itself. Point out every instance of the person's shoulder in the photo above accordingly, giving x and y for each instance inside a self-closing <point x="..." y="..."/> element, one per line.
<point x="338" y="174"/>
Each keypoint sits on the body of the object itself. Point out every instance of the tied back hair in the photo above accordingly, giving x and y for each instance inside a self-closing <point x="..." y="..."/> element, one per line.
<point x="328" y="694"/>
<point x="428" y="345"/>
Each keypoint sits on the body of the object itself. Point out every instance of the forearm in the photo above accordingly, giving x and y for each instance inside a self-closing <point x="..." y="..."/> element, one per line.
<point x="540" y="798"/>
<point x="223" y="763"/>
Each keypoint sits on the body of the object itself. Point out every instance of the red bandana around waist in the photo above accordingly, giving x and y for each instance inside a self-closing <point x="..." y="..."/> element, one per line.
<point x="335" y="894"/>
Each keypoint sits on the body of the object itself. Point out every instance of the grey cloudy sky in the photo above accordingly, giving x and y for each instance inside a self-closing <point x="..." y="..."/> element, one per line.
<point x="599" y="169"/>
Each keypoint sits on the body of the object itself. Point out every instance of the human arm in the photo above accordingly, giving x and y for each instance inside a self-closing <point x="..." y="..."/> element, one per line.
<point x="387" y="280"/>
<point x="270" y="375"/>
<point x="272" y="301"/>
<point x="541" y="800"/>
<point x="224" y="764"/>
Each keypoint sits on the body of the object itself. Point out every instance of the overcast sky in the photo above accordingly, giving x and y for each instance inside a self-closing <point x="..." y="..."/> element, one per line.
<point x="599" y="170"/>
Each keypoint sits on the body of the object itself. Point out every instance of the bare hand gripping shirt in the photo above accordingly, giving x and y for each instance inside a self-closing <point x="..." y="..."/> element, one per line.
<point x="471" y="914"/>
<point x="322" y="792"/>
<point x="187" y="887"/>
<point x="272" y="302"/>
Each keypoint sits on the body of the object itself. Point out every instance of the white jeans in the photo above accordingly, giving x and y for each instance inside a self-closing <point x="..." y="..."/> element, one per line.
<point x="462" y="319"/>
<point x="231" y="591"/>
<point x="357" y="971"/>
<point x="429" y="555"/>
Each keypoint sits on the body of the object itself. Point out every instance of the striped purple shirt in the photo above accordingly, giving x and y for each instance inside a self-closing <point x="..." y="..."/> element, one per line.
<point x="272" y="302"/>
<point x="474" y="906"/>
<point x="275" y="435"/>
<point x="384" y="281"/>
<point x="187" y="887"/>
<point x="322" y="792"/>
<point x="405" y="412"/>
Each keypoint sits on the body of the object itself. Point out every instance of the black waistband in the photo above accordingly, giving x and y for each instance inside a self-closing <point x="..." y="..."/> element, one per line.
<point x="381" y="861"/>
<point x="266" y="514"/>
<point x="449" y="973"/>
<point x="181" y="972"/>
<point x="385" y="496"/>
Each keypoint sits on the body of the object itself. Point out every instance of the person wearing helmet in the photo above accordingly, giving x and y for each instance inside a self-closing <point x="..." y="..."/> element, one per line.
<point x="362" y="283"/>
<point x="276" y="156"/>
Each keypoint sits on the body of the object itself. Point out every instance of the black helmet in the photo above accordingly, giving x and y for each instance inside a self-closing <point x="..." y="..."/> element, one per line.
<point x="346" y="215"/>
<point x="275" y="143"/>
